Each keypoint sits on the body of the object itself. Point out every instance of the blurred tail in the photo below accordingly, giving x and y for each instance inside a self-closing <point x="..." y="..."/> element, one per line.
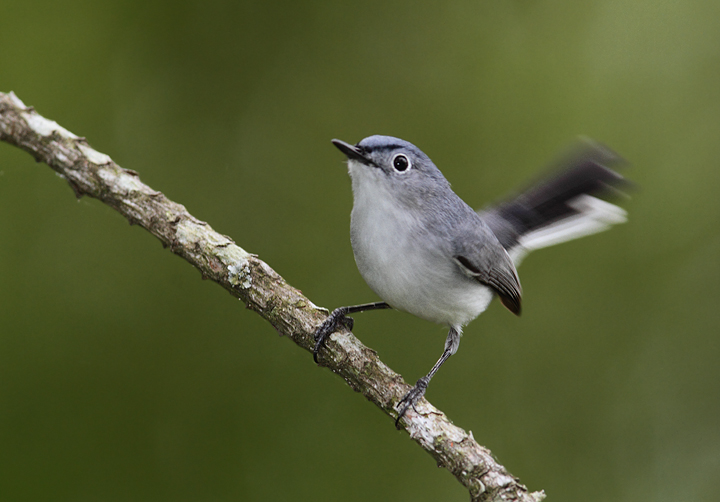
<point x="563" y="206"/>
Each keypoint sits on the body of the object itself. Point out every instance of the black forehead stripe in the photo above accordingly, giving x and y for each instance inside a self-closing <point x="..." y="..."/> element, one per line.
<point x="380" y="148"/>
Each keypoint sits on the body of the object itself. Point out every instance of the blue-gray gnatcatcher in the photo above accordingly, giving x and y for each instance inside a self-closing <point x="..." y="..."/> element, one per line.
<point x="425" y="251"/>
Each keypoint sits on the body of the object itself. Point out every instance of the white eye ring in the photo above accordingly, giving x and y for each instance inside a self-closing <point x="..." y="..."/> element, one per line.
<point x="401" y="163"/>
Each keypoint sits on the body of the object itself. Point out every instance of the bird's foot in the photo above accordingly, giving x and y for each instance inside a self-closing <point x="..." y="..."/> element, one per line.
<point x="411" y="398"/>
<point x="335" y="319"/>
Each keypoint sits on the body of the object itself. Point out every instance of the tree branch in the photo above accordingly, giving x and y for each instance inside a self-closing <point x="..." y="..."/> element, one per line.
<point x="89" y="172"/>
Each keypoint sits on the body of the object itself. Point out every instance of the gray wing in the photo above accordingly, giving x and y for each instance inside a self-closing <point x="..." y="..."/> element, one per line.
<point x="480" y="255"/>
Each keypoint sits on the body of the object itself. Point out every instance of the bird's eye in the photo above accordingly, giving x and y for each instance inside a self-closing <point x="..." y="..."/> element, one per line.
<point x="401" y="162"/>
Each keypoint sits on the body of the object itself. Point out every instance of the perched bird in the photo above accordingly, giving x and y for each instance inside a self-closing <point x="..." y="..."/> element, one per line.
<point x="425" y="251"/>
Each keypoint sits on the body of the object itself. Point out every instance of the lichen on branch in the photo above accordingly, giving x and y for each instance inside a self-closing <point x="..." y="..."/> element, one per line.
<point x="245" y="276"/>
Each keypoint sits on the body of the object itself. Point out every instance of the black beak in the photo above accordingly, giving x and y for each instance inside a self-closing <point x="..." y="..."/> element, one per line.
<point x="352" y="152"/>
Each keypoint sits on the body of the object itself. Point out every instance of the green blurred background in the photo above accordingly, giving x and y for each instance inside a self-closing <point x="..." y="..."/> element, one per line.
<point x="124" y="377"/>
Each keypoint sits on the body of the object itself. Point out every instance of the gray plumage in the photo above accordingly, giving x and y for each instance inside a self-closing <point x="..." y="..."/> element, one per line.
<point x="423" y="250"/>
<point x="419" y="246"/>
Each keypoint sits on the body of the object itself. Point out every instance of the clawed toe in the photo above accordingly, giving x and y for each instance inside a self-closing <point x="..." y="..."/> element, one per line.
<point x="348" y="322"/>
<point x="410" y="399"/>
<point x="337" y="318"/>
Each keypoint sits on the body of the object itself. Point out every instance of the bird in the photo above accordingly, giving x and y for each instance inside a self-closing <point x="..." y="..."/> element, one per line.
<point x="424" y="251"/>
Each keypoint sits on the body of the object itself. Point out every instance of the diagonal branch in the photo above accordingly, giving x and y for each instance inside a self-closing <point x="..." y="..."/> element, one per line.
<point x="89" y="172"/>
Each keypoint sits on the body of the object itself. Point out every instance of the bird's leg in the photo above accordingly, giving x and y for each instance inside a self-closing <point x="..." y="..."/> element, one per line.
<point x="339" y="317"/>
<point x="411" y="398"/>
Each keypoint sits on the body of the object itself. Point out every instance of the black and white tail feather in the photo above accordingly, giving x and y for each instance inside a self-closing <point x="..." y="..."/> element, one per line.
<point x="567" y="204"/>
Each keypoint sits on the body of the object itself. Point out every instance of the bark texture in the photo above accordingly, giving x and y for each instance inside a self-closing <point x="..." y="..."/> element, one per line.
<point x="245" y="276"/>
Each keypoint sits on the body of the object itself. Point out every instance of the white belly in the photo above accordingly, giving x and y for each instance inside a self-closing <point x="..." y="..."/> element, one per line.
<point x="409" y="269"/>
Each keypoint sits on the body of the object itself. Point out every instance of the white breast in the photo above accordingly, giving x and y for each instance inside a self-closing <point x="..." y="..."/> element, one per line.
<point x="406" y="267"/>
